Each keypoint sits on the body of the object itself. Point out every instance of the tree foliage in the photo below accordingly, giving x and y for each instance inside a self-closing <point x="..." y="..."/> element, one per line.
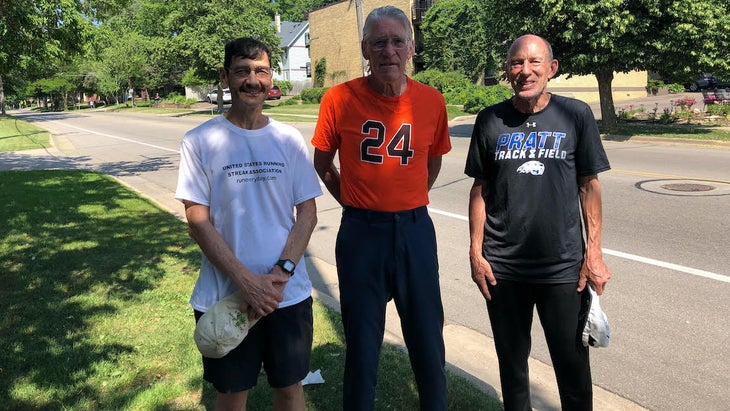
<point x="454" y="33"/>
<point x="677" y="38"/>
<point x="149" y="44"/>
<point x="600" y="38"/>
<point x="34" y="33"/>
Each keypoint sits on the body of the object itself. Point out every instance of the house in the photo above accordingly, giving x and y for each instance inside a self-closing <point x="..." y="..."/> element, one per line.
<point x="295" y="65"/>
<point x="335" y="39"/>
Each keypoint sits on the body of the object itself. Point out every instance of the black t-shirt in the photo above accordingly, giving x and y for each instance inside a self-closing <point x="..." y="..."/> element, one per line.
<point x="532" y="164"/>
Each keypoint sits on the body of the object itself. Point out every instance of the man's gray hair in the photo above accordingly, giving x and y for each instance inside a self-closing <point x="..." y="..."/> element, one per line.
<point x="386" y="12"/>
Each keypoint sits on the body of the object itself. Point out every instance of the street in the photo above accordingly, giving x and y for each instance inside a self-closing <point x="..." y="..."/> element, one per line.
<point x="666" y="230"/>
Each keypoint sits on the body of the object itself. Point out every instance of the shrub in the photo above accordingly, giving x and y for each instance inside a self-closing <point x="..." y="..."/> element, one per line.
<point x="718" y="109"/>
<point x="675" y="88"/>
<point x="320" y="71"/>
<point x="653" y="86"/>
<point x="291" y="101"/>
<point x="444" y="82"/>
<point x="284" y="85"/>
<point x="478" y="97"/>
<point x="459" y="90"/>
<point x="177" y="98"/>
<point x="312" y="95"/>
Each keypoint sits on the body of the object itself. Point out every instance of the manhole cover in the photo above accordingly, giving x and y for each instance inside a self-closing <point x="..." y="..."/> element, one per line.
<point x="688" y="187"/>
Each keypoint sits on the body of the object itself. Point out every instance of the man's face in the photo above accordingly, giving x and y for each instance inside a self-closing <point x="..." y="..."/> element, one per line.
<point x="248" y="79"/>
<point x="529" y="68"/>
<point x="387" y="49"/>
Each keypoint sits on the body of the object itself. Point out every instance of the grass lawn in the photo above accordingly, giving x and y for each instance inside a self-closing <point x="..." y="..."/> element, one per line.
<point x="95" y="287"/>
<point x="675" y="131"/>
<point x="16" y="135"/>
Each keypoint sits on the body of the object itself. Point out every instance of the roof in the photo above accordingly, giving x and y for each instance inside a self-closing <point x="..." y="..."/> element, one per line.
<point x="290" y="32"/>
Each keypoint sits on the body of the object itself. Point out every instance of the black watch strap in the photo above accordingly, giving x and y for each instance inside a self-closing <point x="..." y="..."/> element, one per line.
<point x="287" y="265"/>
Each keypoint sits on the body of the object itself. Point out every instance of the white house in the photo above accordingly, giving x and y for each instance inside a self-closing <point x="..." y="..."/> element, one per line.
<point x="295" y="65"/>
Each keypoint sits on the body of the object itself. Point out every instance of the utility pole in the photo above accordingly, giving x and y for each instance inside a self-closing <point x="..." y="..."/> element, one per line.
<point x="360" y="24"/>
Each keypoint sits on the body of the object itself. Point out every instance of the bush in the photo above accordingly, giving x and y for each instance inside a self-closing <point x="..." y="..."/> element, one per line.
<point x="320" y="71"/>
<point x="675" y="88"/>
<point x="312" y="95"/>
<point x="718" y="109"/>
<point x="284" y="85"/>
<point x="291" y="101"/>
<point x="444" y="82"/>
<point x="459" y="90"/>
<point x="478" y="97"/>
<point x="177" y="98"/>
<point x="652" y="86"/>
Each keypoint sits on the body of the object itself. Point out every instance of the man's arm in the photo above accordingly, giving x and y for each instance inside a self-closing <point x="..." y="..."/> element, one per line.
<point x="261" y="292"/>
<point x="594" y="269"/>
<point x="434" y="167"/>
<point x="301" y="232"/>
<point x="481" y="271"/>
<point x="325" y="167"/>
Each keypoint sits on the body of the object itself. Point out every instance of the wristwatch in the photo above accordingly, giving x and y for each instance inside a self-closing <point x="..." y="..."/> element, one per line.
<point x="287" y="265"/>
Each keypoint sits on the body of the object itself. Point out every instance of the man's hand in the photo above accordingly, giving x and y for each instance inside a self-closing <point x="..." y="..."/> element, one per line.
<point x="595" y="271"/>
<point x="481" y="274"/>
<point x="264" y="293"/>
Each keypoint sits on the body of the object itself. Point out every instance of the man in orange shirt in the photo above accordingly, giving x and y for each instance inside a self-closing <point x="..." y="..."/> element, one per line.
<point x="391" y="132"/>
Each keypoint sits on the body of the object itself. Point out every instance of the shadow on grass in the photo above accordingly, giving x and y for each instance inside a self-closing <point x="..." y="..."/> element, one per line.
<point x="74" y="248"/>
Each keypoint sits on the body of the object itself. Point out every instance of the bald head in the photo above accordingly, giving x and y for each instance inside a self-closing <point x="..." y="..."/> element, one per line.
<point x="530" y="38"/>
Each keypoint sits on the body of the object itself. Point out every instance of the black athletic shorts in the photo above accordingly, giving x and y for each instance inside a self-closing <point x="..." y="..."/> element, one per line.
<point x="281" y="341"/>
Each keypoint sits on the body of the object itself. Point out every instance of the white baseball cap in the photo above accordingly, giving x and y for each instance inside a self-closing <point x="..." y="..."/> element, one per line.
<point x="596" y="332"/>
<point x="222" y="327"/>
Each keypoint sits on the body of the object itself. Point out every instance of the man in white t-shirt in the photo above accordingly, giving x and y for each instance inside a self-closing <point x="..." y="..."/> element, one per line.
<point x="241" y="177"/>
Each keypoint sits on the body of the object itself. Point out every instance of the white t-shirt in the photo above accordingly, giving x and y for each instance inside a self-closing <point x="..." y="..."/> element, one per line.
<point x="251" y="180"/>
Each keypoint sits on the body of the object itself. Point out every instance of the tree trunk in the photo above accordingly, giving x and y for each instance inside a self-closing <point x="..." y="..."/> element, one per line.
<point x="608" y="112"/>
<point x="2" y="97"/>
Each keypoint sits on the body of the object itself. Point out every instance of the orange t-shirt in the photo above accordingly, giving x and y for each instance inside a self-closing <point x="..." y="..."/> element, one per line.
<point x="383" y="142"/>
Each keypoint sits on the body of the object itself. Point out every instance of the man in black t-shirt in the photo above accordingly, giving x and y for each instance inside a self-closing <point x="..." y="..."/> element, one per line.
<point x="534" y="160"/>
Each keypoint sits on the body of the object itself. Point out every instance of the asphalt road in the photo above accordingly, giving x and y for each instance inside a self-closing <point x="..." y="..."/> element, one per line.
<point x="668" y="301"/>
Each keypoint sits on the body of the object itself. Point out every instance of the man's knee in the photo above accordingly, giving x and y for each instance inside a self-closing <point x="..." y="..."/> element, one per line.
<point x="289" y="398"/>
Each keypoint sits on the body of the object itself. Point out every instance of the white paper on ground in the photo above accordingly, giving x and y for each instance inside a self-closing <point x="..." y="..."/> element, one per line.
<point x="313" y="378"/>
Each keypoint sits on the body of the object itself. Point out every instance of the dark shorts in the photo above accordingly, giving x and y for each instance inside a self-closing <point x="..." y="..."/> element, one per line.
<point x="281" y="341"/>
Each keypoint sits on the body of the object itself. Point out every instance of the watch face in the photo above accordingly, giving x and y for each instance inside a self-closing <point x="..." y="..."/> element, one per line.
<point x="289" y="266"/>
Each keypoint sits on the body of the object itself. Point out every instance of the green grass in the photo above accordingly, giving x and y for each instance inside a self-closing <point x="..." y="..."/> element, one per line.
<point x="95" y="287"/>
<point x="17" y="135"/>
<point x="674" y="131"/>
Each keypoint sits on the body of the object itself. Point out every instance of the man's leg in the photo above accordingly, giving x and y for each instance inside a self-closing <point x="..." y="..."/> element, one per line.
<point x="289" y="398"/>
<point x="363" y="297"/>
<point x="417" y="296"/>
<point x="235" y="401"/>
<point x="559" y="307"/>
<point x="510" y="314"/>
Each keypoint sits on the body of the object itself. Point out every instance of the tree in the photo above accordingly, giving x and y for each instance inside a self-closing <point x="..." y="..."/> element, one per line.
<point x="601" y="38"/>
<point x="458" y="22"/>
<point x="36" y="32"/>
<point x="200" y="29"/>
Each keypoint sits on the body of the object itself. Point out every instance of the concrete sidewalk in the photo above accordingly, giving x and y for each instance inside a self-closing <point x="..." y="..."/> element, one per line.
<point x="468" y="353"/>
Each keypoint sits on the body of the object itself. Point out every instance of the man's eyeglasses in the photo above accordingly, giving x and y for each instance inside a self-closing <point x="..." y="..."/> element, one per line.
<point x="397" y="43"/>
<point x="241" y="72"/>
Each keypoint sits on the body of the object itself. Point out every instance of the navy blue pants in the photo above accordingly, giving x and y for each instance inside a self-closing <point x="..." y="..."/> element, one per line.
<point x="380" y="256"/>
<point x="562" y="312"/>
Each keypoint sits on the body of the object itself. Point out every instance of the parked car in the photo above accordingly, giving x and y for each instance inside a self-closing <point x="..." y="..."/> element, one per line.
<point x="707" y="81"/>
<point x="274" y="93"/>
<point x="212" y="96"/>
